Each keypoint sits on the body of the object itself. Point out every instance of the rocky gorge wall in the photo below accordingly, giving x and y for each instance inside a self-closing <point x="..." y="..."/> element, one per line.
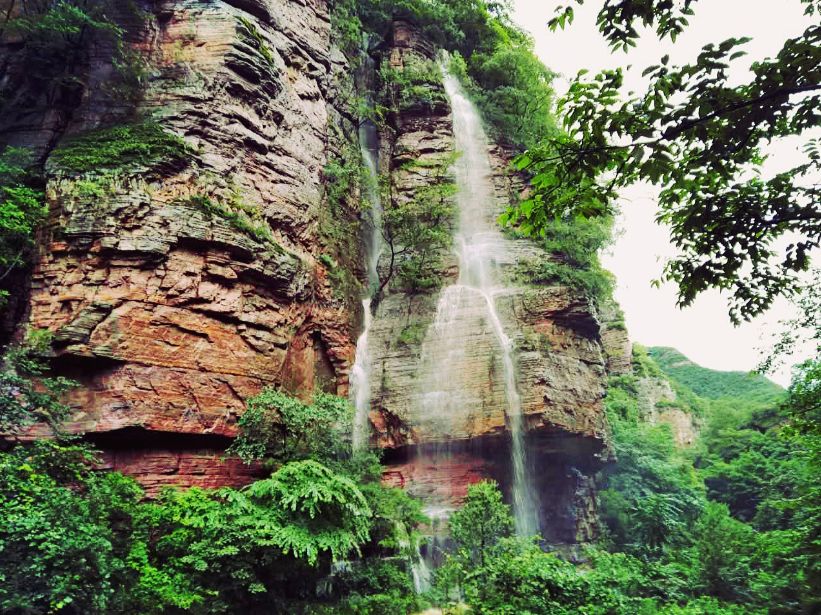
<point x="176" y="291"/>
<point x="176" y="287"/>
<point x="561" y="364"/>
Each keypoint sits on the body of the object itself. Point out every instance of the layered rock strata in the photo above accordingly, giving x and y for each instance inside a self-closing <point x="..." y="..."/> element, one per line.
<point x="560" y="360"/>
<point x="175" y="292"/>
<point x="177" y="289"/>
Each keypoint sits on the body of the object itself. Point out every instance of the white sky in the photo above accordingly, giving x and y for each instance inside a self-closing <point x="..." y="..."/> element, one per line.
<point x="703" y="331"/>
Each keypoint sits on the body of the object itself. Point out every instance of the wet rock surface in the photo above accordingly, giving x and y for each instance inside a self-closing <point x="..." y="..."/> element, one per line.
<point x="560" y="362"/>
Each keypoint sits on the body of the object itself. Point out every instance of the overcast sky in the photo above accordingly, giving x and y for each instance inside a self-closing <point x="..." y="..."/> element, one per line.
<point x="703" y="331"/>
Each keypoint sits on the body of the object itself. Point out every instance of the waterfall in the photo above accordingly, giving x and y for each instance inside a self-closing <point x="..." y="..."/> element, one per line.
<point x="361" y="370"/>
<point x="471" y="302"/>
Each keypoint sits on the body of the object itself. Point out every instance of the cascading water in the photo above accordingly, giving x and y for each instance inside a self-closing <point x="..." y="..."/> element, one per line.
<point x="471" y="302"/>
<point x="361" y="371"/>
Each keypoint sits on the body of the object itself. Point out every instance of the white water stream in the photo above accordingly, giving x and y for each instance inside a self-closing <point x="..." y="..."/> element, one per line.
<point x="446" y="382"/>
<point x="361" y="370"/>
<point x="481" y="249"/>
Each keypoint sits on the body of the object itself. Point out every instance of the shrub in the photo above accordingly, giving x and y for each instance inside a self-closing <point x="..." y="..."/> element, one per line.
<point x="574" y="246"/>
<point x="22" y="210"/>
<point x="279" y="426"/>
<point x="129" y="147"/>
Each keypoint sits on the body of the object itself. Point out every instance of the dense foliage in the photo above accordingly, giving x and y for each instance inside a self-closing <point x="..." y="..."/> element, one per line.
<point x="491" y="55"/>
<point x="699" y="136"/>
<point x="730" y="526"/>
<point x="77" y="540"/>
<point x="22" y="209"/>
<point x="417" y="230"/>
<point x="573" y="245"/>
<point x="27" y="394"/>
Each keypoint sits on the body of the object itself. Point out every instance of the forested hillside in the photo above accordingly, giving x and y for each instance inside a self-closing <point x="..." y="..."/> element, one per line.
<point x="712" y="384"/>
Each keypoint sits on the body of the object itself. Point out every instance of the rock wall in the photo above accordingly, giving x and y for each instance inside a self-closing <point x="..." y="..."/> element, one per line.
<point x="175" y="291"/>
<point x="658" y="404"/>
<point x="560" y="369"/>
<point x="168" y="313"/>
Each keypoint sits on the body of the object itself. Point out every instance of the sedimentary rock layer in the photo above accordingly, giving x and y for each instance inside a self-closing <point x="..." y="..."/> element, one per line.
<point x="168" y="311"/>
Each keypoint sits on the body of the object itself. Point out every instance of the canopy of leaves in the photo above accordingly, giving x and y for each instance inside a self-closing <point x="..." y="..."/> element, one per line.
<point x="701" y="139"/>
<point x="78" y="540"/>
<point x="61" y="546"/>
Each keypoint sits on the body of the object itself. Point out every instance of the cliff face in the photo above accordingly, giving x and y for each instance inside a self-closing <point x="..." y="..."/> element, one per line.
<point x="180" y="284"/>
<point x="560" y="364"/>
<point x="176" y="291"/>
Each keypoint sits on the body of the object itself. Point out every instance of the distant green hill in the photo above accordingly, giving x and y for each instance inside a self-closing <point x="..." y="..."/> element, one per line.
<point x="713" y="384"/>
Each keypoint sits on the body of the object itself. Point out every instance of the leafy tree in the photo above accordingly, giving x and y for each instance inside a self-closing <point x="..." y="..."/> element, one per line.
<point x="482" y="521"/>
<point x="62" y="544"/>
<point x="251" y="546"/>
<point x="518" y="577"/>
<point x="805" y="327"/>
<point x="697" y="136"/>
<point x="723" y="550"/>
<point x="651" y="496"/>
<point x="26" y="395"/>
<point x="417" y="230"/>
<point x="511" y="87"/>
<point x="22" y="210"/>
<point x="279" y="427"/>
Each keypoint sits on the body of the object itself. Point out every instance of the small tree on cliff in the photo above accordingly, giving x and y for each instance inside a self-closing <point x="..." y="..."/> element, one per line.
<point x="281" y="428"/>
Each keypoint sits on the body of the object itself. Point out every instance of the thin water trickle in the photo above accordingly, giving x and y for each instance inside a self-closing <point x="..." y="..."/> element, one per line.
<point x="481" y="249"/>
<point x="361" y="370"/>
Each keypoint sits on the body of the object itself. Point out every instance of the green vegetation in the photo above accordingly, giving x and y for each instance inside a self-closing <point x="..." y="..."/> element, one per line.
<point x="28" y="395"/>
<point x="701" y="138"/>
<point x="417" y="231"/>
<point x="252" y="36"/>
<point x="344" y="181"/>
<point x="417" y="85"/>
<point x="240" y="215"/>
<point x="492" y="56"/>
<point x="511" y="87"/>
<point x="22" y="210"/>
<point x="57" y="40"/>
<point x="714" y="384"/>
<point x="134" y="147"/>
<point x="73" y="539"/>
<point x="277" y="426"/>
<point x="727" y="527"/>
<point x="574" y="246"/>
<point x="412" y="335"/>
